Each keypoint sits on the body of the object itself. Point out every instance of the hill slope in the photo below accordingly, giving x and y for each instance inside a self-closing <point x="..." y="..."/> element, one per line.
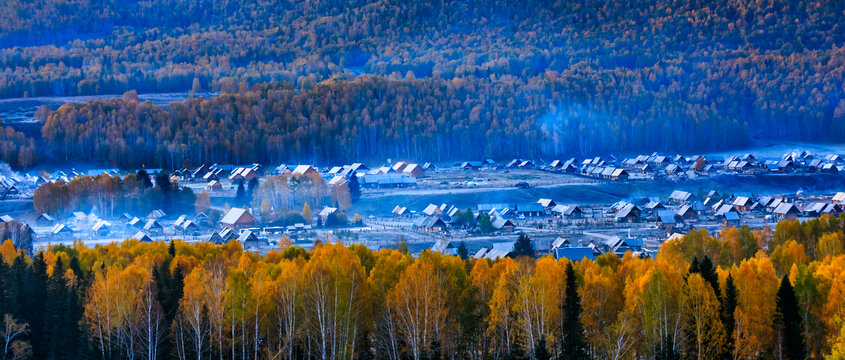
<point x="604" y="75"/>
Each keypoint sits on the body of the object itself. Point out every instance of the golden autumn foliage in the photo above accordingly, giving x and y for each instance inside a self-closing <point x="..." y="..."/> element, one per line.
<point x="336" y="301"/>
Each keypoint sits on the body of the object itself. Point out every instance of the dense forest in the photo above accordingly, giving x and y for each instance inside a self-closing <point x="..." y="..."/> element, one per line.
<point x="368" y="117"/>
<point x="703" y="297"/>
<point x="582" y="76"/>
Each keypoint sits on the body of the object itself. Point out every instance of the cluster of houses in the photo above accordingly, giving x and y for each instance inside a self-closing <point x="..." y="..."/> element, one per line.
<point x="684" y="208"/>
<point x="613" y="169"/>
<point x="796" y="161"/>
<point x="561" y="248"/>
<point x="565" y="248"/>
<point x="678" y="165"/>
<point x="440" y="218"/>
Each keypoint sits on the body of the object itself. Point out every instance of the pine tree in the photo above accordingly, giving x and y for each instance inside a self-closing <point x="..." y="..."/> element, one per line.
<point x="790" y="331"/>
<point x="541" y="352"/>
<point x="354" y="188"/>
<point x="252" y="186"/>
<point x="364" y="346"/>
<point x="665" y="350"/>
<point x="16" y="286"/>
<point x="462" y="251"/>
<point x="485" y="224"/>
<point x="729" y="304"/>
<point x="523" y="247"/>
<point x="4" y="292"/>
<point x="144" y="178"/>
<point x="60" y="325"/>
<point x="240" y="195"/>
<point x="403" y="247"/>
<point x="171" y="249"/>
<point x="517" y="352"/>
<point x="707" y="270"/>
<point x="35" y="287"/>
<point x="573" y="345"/>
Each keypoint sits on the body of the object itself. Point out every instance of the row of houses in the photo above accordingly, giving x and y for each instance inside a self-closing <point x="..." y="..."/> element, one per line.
<point x="440" y="218"/>
<point x="797" y="161"/>
<point x="561" y="248"/>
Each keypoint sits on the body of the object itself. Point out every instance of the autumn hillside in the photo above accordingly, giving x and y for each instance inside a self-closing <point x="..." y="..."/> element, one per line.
<point x="586" y="76"/>
<point x="703" y="297"/>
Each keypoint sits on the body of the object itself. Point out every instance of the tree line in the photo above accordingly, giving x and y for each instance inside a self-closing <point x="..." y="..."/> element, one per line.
<point x="110" y="196"/>
<point x="370" y="117"/>
<point x="195" y="301"/>
<point x="630" y="71"/>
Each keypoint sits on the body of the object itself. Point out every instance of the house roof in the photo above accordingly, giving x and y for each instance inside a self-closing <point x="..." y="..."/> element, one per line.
<point x="411" y="168"/>
<point x="60" y="228"/>
<point x="500" y="222"/>
<point x="628" y="209"/>
<point x="187" y="224"/>
<point x="247" y="236"/>
<point x="215" y="238"/>
<point x="575" y="253"/>
<point x="683" y="210"/>
<point x="432" y="209"/>
<point x="429" y="222"/>
<point x="303" y="169"/>
<point x="732" y="216"/>
<point x="546" y="202"/>
<point x="327" y="211"/>
<point x="680" y="195"/>
<point x="234" y="215"/>
<point x="560" y="241"/>
<point x="529" y="207"/>
<point x="786" y="208"/>
<point x="725" y="209"/>
<point x="566" y="209"/>
<point x="742" y="201"/>
<point x="151" y="223"/>
<point x="142" y="237"/>
<point x="443" y="246"/>
<point x="45" y="217"/>
<point x="102" y="224"/>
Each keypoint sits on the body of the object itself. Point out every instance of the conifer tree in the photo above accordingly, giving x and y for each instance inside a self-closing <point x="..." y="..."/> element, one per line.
<point x="354" y="188"/>
<point x="517" y="352"/>
<point x="240" y="194"/>
<point x="144" y="178"/>
<point x="523" y="247"/>
<point x="462" y="251"/>
<point x="485" y="224"/>
<point x="790" y="332"/>
<point x="707" y="270"/>
<point x="573" y="345"/>
<point x="252" y="186"/>
<point x="35" y="287"/>
<point x="665" y="351"/>
<point x="4" y="293"/>
<point x="729" y="304"/>
<point x="541" y="352"/>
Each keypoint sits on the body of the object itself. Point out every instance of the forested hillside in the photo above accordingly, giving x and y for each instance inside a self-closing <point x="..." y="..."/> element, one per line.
<point x="586" y="76"/>
<point x="430" y="119"/>
<point x="701" y="298"/>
